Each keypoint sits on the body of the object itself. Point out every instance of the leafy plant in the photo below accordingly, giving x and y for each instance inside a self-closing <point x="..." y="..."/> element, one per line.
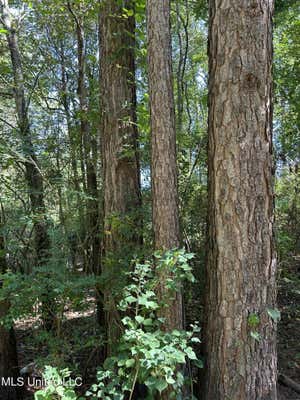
<point x="147" y="354"/>
<point x="59" y="385"/>
<point x="253" y="322"/>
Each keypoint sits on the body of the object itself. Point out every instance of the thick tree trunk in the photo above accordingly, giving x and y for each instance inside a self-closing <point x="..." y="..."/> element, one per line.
<point x="164" y="170"/>
<point x="241" y="259"/>
<point x="121" y="181"/>
<point x="33" y="174"/>
<point x="8" y="349"/>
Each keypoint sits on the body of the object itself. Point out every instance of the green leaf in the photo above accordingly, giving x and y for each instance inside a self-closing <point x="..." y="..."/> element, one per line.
<point x="60" y="390"/>
<point x="255" y="335"/>
<point x="170" y="380"/>
<point x="130" y="363"/>
<point x="190" y="353"/>
<point x="130" y="299"/>
<point x="199" y="363"/>
<point x="148" y="322"/>
<point x="253" y="320"/>
<point x="161" y="385"/>
<point x="274" y="314"/>
<point x="139" y="319"/>
<point x="39" y="395"/>
<point x="69" y="395"/>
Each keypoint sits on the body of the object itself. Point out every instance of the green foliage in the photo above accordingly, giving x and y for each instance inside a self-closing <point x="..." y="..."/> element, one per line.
<point x="59" y="386"/>
<point x="287" y="88"/>
<point x="25" y="291"/>
<point x="47" y="40"/>
<point x="287" y="213"/>
<point x="253" y="320"/>
<point x="68" y="295"/>
<point x="147" y="353"/>
<point x="253" y="323"/>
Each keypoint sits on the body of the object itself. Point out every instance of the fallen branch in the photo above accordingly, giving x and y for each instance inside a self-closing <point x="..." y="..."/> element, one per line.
<point x="284" y="380"/>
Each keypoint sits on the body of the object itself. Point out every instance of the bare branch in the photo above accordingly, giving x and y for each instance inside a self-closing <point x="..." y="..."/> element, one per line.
<point x="8" y="123"/>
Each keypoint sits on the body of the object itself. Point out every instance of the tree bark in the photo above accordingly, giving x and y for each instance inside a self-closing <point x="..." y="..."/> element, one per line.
<point x="241" y="259"/>
<point x="119" y="142"/>
<point x="163" y="160"/>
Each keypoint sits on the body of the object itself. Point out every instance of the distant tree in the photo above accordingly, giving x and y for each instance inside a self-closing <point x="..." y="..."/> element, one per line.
<point x="92" y="236"/>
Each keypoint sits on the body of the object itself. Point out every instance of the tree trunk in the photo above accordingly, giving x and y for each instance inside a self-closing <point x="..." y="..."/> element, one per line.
<point x="92" y="244"/>
<point x="76" y="241"/>
<point x="164" y="170"/>
<point x="33" y="174"/>
<point x="121" y="181"/>
<point x="241" y="259"/>
<point x="8" y="349"/>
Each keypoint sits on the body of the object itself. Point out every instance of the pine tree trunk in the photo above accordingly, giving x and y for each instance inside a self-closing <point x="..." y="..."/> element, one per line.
<point x="241" y="259"/>
<point x="164" y="170"/>
<point x="119" y="142"/>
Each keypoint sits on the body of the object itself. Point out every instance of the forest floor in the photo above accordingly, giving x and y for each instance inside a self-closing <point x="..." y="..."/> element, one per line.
<point x="78" y="329"/>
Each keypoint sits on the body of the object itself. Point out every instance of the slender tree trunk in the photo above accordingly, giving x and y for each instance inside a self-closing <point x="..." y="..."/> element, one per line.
<point x="92" y="242"/>
<point x="182" y="23"/>
<point x="164" y="170"/>
<point x="92" y="209"/>
<point x="8" y="348"/>
<point x="61" y="202"/>
<point x="241" y="259"/>
<point x="33" y="174"/>
<point x="76" y="241"/>
<point x="32" y="171"/>
<point x="121" y="181"/>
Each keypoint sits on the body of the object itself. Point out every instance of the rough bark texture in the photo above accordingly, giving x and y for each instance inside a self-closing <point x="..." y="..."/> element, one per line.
<point x="164" y="170"/>
<point x="241" y="258"/>
<point x="121" y="181"/>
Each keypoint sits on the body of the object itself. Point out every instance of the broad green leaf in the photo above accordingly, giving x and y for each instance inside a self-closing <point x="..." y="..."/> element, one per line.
<point x="274" y="313"/>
